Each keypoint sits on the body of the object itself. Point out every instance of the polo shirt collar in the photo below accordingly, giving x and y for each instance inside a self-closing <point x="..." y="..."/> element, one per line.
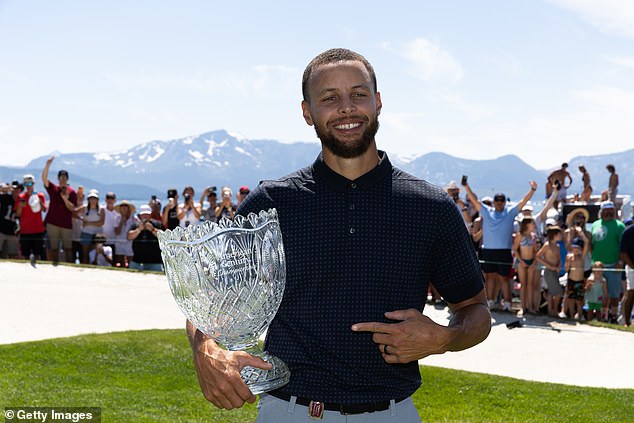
<point x="365" y="181"/>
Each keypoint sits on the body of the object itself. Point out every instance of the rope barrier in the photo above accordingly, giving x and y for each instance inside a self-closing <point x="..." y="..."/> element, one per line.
<point x="541" y="266"/>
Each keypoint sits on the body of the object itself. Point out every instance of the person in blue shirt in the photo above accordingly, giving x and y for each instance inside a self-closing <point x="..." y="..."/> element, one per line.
<point x="497" y="243"/>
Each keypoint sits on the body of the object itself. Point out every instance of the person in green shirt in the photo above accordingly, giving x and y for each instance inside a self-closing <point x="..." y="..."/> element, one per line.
<point x="606" y="244"/>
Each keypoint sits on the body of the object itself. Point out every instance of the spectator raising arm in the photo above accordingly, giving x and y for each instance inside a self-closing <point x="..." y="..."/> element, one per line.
<point x="472" y="197"/>
<point x="528" y="195"/>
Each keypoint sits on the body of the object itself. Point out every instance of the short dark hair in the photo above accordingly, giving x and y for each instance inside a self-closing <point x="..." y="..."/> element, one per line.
<point x="332" y="56"/>
<point x="552" y="231"/>
<point x="610" y="168"/>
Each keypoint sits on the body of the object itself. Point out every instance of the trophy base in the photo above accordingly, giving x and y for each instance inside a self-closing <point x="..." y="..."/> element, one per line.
<point x="259" y="380"/>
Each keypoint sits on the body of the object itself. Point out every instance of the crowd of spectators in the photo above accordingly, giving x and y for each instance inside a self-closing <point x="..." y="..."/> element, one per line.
<point x="556" y="261"/>
<point x="67" y="224"/>
<point x="565" y="268"/>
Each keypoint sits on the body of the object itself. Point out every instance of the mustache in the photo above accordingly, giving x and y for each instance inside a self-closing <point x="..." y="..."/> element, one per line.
<point x="348" y="119"/>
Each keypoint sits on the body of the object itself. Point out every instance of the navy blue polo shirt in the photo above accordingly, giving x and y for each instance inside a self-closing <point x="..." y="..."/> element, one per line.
<point x="354" y="250"/>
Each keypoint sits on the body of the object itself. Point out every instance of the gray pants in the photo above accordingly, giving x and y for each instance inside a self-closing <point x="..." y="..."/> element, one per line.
<point x="275" y="410"/>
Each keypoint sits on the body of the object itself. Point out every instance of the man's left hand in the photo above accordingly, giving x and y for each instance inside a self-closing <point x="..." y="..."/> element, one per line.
<point x="413" y="337"/>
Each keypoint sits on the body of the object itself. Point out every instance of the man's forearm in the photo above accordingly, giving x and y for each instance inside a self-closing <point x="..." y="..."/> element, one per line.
<point x="194" y="335"/>
<point x="472" y="325"/>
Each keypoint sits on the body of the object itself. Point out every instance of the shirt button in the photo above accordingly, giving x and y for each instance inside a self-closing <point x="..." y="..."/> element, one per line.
<point x="353" y="185"/>
<point x="352" y="230"/>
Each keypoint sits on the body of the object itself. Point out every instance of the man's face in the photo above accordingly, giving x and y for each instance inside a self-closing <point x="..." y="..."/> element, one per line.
<point x="343" y="108"/>
<point x="63" y="180"/>
<point x="607" y="214"/>
<point x="499" y="204"/>
<point x="110" y="201"/>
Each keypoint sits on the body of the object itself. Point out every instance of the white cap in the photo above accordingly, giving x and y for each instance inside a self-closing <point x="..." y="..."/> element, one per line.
<point x="145" y="209"/>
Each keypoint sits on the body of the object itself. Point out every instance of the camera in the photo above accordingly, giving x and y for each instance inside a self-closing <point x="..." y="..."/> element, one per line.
<point x="464" y="180"/>
<point x="154" y="198"/>
<point x="187" y="197"/>
<point x="171" y="193"/>
<point x="212" y="189"/>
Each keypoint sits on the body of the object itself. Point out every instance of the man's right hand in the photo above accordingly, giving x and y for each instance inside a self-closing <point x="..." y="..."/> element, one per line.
<point x="218" y="373"/>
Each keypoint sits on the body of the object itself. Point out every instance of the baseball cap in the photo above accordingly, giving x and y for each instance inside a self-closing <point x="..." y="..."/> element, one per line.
<point x="62" y="172"/>
<point x="28" y="180"/>
<point x="93" y="193"/>
<point x="528" y="206"/>
<point x="551" y="222"/>
<point x="607" y="205"/>
<point x="244" y="189"/>
<point x="499" y="197"/>
<point x="145" y="209"/>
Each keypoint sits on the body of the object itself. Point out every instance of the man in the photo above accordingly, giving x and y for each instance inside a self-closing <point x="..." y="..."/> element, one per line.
<point x="8" y="226"/>
<point x="453" y="190"/>
<point x="170" y="211"/>
<point x="606" y="248"/>
<point x="59" y="219"/>
<point x="627" y="256"/>
<point x="242" y="193"/>
<point x="350" y="326"/>
<point x="147" y="254"/>
<point x="211" y="196"/>
<point x="29" y="209"/>
<point x="558" y="179"/>
<point x="497" y="243"/>
<point x="110" y="222"/>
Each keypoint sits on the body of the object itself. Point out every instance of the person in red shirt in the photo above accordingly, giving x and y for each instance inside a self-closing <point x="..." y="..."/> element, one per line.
<point x="59" y="219"/>
<point x="29" y="208"/>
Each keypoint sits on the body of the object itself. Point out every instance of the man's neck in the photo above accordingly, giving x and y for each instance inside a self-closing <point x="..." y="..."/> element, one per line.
<point x="352" y="168"/>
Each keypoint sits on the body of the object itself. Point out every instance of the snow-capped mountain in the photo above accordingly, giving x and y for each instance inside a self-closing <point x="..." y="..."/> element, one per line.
<point x="215" y="158"/>
<point x="221" y="158"/>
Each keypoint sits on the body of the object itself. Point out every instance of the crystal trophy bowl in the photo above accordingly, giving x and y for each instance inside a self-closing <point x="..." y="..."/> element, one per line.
<point x="228" y="280"/>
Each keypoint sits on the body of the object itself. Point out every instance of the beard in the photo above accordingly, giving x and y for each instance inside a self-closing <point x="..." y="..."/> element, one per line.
<point x="350" y="149"/>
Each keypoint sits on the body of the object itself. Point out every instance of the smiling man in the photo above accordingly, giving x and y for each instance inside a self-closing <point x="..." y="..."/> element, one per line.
<point x="362" y="240"/>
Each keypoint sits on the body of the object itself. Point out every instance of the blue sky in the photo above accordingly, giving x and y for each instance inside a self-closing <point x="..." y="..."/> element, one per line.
<point x="545" y="80"/>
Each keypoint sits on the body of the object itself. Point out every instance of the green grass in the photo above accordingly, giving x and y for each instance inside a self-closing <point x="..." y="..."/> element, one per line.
<point x="148" y="376"/>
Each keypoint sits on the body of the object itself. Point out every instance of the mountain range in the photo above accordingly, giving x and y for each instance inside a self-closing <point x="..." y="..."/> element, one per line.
<point x="220" y="158"/>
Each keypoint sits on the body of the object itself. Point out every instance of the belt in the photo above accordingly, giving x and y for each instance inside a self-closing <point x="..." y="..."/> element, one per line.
<point x="363" y="407"/>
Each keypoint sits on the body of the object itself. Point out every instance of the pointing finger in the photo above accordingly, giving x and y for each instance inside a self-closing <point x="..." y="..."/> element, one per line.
<point x="375" y="327"/>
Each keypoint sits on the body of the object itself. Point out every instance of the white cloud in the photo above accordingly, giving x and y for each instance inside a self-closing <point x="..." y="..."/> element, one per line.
<point x="623" y="61"/>
<point x="431" y="63"/>
<point x="262" y="80"/>
<point x="599" y="125"/>
<point x="279" y="78"/>
<point x="610" y="16"/>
